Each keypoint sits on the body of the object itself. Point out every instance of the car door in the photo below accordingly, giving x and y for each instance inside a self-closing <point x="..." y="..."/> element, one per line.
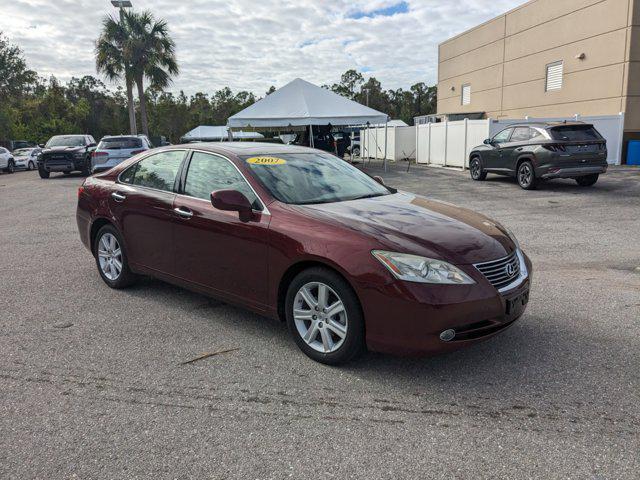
<point x="4" y="157"/>
<point x="142" y="200"/>
<point x="512" y="150"/>
<point x="492" y="157"/>
<point x="217" y="250"/>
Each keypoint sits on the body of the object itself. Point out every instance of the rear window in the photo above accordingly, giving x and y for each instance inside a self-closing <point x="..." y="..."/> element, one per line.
<point x="120" y="143"/>
<point x="575" y="133"/>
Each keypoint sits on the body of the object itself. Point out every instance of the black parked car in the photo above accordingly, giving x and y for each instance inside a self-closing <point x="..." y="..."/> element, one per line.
<point x="66" y="154"/>
<point x="542" y="151"/>
<point x="323" y="139"/>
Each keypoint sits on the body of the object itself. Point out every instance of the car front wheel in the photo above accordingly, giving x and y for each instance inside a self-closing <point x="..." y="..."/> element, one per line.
<point x="43" y="173"/>
<point x="31" y="166"/>
<point x="587" y="180"/>
<point x="111" y="258"/>
<point x="324" y="316"/>
<point x="475" y="168"/>
<point x="11" y="167"/>
<point x="526" y="175"/>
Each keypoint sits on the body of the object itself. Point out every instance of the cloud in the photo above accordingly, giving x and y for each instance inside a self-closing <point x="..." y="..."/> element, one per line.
<point x="251" y="45"/>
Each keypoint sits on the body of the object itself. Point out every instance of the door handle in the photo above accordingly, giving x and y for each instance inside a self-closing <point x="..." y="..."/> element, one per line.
<point x="118" y="197"/>
<point x="183" y="212"/>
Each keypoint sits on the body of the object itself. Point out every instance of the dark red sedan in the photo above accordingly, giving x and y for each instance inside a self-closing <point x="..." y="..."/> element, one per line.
<point x="300" y="235"/>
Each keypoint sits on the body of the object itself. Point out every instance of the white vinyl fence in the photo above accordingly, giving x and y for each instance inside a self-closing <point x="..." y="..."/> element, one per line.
<point x="401" y="143"/>
<point x="449" y="143"/>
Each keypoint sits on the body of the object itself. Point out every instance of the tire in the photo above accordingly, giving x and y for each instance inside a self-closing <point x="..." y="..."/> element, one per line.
<point x="475" y="169"/>
<point x="356" y="152"/>
<point x="106" y="246"/>
<point x="333" y="338"/>
<point x="31" y="166"/>
<point x="43" y="173"/>
<point x="526" y="175"/>
<point x="11" y="167"/>
<point x="86" y="169"/>
<point x="587" y="180"/>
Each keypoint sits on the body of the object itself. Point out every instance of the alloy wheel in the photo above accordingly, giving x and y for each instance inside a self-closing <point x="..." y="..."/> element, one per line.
<point x="320" y="317"/>
<point x="110" y="256"/>
<point x="475" y="168"/>
<point x="525" y="175"/>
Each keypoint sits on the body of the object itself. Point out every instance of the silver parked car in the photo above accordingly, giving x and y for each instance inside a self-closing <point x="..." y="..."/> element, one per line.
<point x="7" y="162"/>
<point x="26" y="158"/>
<point x="115" y="149"/>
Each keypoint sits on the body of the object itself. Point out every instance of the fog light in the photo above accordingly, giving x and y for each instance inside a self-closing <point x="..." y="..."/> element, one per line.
<point x="447" y="335"/>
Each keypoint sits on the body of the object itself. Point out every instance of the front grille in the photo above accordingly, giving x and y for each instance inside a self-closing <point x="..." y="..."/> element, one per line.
<point x="57" y="158"/>
<point x="502" y="272"/>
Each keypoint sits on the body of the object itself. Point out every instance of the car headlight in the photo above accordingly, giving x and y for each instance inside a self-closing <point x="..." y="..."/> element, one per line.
<point x="413" y="268"/>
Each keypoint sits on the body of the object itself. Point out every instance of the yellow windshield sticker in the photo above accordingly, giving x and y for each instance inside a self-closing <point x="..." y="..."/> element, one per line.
<point x="266" y="160"/>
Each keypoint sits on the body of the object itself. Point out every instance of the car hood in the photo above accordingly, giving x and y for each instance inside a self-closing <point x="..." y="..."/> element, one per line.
<point x="63" y="149"/>
<point x="409" y="223"/>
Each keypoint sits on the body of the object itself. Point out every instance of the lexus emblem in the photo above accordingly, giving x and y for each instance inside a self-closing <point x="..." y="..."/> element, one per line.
<point x="511" y="269"/>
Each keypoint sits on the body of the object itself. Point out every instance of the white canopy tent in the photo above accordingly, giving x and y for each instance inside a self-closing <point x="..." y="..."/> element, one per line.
<point x="206" y="133"/>
<point x="300" y="104"/>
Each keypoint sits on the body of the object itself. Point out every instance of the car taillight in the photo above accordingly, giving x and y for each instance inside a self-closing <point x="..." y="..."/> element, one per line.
<point x="135" y="152"/>
<point x="99" y="154"/>
<point x="554" y="148"/>
<point x="80" y="191"/>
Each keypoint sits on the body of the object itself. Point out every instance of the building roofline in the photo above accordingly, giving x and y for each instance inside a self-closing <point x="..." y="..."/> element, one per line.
<point x="515" y="9"/>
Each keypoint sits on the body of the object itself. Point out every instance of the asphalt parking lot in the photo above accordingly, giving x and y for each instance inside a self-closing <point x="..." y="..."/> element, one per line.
<point x="92" y="381"/>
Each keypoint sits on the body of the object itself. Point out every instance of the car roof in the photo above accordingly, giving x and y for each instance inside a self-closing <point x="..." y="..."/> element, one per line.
<point x="123" y="136"/>
<point x="546" y="124"/>
<point x="245" y="148"/>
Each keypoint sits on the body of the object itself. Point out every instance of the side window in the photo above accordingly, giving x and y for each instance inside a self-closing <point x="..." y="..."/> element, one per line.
<point x="537" y="135"/>
<point x="208" y="173"/>
<point x="520" y="134"/>
<point x="503" y="136"/>
<point x="157" y="171"/>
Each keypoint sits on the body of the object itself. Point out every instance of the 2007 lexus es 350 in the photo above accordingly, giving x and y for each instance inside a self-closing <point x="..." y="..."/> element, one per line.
<point x="303" y="236"/>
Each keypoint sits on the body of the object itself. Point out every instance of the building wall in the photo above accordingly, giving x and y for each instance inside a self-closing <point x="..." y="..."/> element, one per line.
<point x="504" y="60"/>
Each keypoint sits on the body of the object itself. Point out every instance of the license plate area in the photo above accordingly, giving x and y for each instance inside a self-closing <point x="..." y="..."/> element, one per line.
<point x="516" y="305"/>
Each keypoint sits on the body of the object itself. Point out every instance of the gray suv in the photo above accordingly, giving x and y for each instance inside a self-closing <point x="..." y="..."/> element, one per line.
<point x="541" y="151"/>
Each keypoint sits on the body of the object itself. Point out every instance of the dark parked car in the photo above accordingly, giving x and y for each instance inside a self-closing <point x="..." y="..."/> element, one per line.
<point x="66" y="154"/>
<point x="323" y="139"/>
<point x="300" y="235"/>
<point x="12" y="145"/>
<point x="542" y="151"/>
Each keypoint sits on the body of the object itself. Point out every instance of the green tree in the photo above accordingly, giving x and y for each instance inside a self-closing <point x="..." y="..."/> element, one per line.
<point x="349" y="85"/>
<point x="114" y="59"/>
<point x="153" y="57"/>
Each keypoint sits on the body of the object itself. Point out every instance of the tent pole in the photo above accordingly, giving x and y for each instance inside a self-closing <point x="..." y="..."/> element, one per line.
<point x="311" y="142"/>
<point x="386" y="124"/>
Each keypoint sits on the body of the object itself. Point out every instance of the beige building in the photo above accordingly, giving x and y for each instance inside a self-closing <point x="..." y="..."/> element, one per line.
<point x="547" y="58"/>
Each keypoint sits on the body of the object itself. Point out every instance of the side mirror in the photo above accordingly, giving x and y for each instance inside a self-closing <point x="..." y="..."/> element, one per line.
<point x="487" y="141"/>
<point x="231" y="201"/>
<point x="379" y="179"/>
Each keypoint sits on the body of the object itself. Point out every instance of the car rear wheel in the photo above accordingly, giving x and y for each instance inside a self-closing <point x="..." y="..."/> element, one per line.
<point x="111" y="258"/>
<point x="356" y="152"/>
<point x="526" y="175"/>
<point x="587" y="180"/>
<point x="324" y="316"/>
<point x="43" y="173"/>
<point x="475" y="168"/>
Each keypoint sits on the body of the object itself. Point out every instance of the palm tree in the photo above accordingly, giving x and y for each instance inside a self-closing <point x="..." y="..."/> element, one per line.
<point x="152" y="54"/>
<point x="113" y="59"/>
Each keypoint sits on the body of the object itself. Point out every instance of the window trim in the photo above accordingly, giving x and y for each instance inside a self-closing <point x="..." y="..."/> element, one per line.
<point x="183" y="178"/>
<point x="465" y="85"/>
<point x="174" y="189"/>
<point x="546" y="76"/>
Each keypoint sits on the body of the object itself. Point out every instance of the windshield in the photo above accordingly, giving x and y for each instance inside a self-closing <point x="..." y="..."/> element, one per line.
<point x="305" y="178"/>
<point x="23" y="152"/>
<point x="119" y="143"/>
<point x="575" y="133"/>
<point x="65" y="141"/>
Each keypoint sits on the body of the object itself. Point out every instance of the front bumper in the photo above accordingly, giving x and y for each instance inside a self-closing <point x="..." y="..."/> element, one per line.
<point x="407" y="318"/>
<point x="62" y="165"/>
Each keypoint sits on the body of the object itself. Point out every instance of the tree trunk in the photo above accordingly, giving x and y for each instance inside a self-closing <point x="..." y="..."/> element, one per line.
<point x="132" y="109"/>
<point x="143" y="106"/>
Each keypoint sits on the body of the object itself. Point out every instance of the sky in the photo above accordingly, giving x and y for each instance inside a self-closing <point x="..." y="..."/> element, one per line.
<point x="251" y="45"/>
